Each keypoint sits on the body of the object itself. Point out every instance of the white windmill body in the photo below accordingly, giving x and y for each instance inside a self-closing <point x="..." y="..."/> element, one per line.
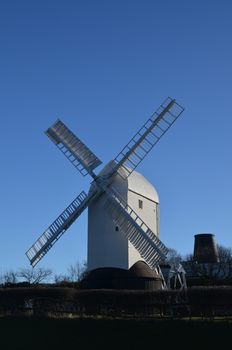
<point x="123" y="221"/>
<point x="107" y="246"/>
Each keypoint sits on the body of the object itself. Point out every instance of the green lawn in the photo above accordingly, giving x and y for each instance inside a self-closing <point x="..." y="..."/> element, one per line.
<point x="30" y="333"/>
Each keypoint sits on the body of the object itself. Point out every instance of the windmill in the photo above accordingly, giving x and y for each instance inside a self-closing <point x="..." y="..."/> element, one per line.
<point x="118" y="235"/>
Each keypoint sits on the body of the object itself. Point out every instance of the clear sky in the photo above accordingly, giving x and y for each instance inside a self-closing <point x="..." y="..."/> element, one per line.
<point x="103" y="67"/>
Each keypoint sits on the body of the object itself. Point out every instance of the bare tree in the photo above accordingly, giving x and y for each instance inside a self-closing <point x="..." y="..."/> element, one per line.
<point x="225" y="254"/>
<point x="188" y="257"/>
<point x="9" y="277"/>
<point x="76" y="271"/>
<point x="34" y="276"/>
<point x="225" y="263"/>
<point x="61" y="278"/>
<point x="173" y="257"/>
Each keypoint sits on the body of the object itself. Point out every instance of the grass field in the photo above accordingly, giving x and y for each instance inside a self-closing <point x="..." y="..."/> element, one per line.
<point x="31" y="333"/>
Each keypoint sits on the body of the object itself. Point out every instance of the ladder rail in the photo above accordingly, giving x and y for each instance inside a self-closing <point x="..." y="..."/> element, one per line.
<point x="146" y="242"/>
<point x="147" y="136"/>
<point x="52" y="234"/>
<point x="137" y="219"/>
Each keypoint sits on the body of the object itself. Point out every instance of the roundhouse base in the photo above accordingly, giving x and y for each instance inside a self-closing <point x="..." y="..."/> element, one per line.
<point x="138" y="277"/>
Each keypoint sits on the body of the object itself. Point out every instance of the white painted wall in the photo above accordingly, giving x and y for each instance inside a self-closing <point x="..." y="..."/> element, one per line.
<point x="148" y="214"/>
<point x="108" y="247"/>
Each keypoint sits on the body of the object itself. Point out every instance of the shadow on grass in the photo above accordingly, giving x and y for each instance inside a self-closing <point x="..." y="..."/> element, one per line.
<point x="25" y="333"/>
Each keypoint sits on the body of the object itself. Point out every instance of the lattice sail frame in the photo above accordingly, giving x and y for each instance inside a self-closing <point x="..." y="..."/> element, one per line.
<point x="51" y="235"/>
<point x="84" y="160"/>
<point x="147" y="136"/>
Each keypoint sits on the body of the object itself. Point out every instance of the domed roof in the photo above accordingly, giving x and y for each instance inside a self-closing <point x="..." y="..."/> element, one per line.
<point x="136" y="183"/>
<point x="142" y="270"/>
<point x="139" y="184"/>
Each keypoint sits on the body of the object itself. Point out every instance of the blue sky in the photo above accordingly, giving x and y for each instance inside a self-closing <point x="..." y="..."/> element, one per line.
<point x="103" y="67"/>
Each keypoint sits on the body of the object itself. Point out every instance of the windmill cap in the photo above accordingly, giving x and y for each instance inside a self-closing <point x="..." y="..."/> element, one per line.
<point x="136" y="183"/>
<point x="204" y="235"/>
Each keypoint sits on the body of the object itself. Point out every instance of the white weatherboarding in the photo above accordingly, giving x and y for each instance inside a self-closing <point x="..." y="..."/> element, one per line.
<point x="123" y="207"/>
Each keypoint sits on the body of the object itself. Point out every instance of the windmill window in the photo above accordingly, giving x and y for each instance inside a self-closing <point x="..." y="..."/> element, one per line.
<point x="116" y="228"/>
<point x="140" y="204"/>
